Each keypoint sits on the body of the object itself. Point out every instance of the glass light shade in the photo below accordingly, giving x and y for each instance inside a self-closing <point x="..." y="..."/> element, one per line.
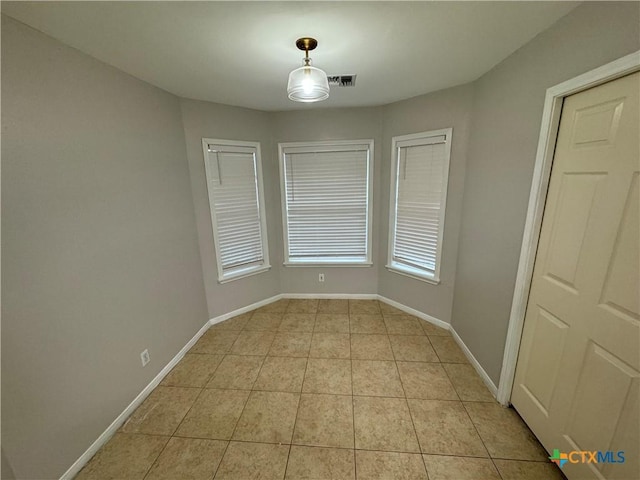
<point x="308" y="84"/>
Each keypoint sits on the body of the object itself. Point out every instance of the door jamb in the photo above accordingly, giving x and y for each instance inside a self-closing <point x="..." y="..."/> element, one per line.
<point x="537" y="197"/>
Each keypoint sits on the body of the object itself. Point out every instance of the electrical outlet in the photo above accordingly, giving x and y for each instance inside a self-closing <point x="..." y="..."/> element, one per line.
<point x="144" y="356"/>
<point x="321" y="277"/>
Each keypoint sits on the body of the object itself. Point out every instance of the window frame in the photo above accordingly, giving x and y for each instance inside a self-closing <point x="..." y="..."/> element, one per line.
<point x="243" y="272"/>
<point x="416" y="139"/>
<point x="317" y="147"/>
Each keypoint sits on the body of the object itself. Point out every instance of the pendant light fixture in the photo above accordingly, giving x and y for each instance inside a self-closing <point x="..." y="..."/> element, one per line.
<point x="307" y="83"/>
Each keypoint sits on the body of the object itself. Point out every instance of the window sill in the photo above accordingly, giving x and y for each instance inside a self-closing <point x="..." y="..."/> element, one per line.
<point x="328" y="264"/>
<point x="243" y="273"/>
<point x="413" y="273"/>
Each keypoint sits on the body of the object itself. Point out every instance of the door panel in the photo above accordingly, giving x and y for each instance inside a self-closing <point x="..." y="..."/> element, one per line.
<point x="576" y="196"/>
<point x="577" y="377"/>
<point x="544" y="366"/>
<point x="621" y="287"/>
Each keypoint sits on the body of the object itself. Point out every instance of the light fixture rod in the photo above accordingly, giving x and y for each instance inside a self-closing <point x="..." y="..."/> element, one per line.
<point x="306" y="44"/>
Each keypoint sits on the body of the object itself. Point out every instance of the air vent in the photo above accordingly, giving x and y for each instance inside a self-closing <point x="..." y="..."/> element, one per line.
<point x="342" y="80"/>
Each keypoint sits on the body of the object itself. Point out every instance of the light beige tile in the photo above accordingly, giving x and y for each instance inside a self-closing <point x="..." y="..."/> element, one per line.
<point x="366" y="323"/>
<point x="291" y="344"/>
<point x="188" y="458"/>
<point x="383" y="424"/>
<point x="268" y="417"/>
<point x="236" y="372"/>
<point x="264" y="322"/>
<point x="281" y="374"/>
<point x="519" y="470"/>
<point x="331" y="323"/>
<point x="255" y="461"/>
<point x="444" y="428"/>
<point x="317" y="463"/>
<point x="460" y="468"/>
<point x="431" y="329"/>
<point x="297" y="322"/>
<point x="328" y="376"/>
<point x="403" y="325"/>
<point x="364" y="306"/>
<point x="124" y="456"/>
<point x="194" y="370"/>
<point x="279" y="306"/>
<point x="253" y="343"/>
<point x="467" y="382"/>
<point x="330" y="345"/>
<point x="426" y="380"/>
<point x="324" y="420"/>
<point x="333" y="306"/>
<point x="376" y="378"/>
<point x="215" y="342"/>
<point x="504" y="433"/>
<point x="371" y="347"/>
<point x="387" y="309"/>
<point x="214" y="414"/>
<point x="447" y="349"/>
<point x="389" y="465"/>
<point x="162" y="411"/>
<point x="236" y="323"/>
<point x="303" y="305"/>
<point x="413" y="348"/>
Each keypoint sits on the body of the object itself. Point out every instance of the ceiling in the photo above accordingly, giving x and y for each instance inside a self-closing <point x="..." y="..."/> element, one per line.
<point x="240" y="53"/>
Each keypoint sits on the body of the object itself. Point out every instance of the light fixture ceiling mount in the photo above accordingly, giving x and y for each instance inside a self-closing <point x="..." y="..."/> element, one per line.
<point x="307" y="83"/>
<point x="306" y="44"/>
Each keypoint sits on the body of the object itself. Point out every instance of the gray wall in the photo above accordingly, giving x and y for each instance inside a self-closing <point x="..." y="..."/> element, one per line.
<point x="210" y="120"/>
<point x="443" y="109"/>
<point x="505" y="128"/>
<point x="333" y="124"/>
<point x="99" y="246"/>
<point x="7" y="471"/>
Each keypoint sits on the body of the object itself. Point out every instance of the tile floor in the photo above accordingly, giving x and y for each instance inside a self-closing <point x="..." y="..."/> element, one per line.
<point x="323" y="389"/>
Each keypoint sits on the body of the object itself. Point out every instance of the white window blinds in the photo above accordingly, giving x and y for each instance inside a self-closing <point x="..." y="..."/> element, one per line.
<point x="419" y="186"/>
<point x="326" y="204"/>
<point x="234" y="184"/>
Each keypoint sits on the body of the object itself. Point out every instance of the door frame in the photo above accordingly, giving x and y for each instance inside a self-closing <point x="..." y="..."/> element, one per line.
<point x="537" y="198"/>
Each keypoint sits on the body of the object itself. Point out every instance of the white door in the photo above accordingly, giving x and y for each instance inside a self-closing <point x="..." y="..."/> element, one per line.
<point x="577" y="379"/>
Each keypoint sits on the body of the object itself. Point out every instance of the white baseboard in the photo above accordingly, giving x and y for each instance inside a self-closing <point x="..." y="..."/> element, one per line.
<point x="337" y="296"/>
<point x="416" y="313"/>
<point x="483" y="375"/>
<point x="248" y="308"/>
<point x="115" y="425"/>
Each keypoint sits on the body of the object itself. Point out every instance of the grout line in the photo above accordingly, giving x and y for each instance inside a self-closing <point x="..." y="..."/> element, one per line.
<point x="179" y="423"/>
<point x="413" y="424"/>
<point x="434" y="350"/>
<point x="295" y="421"/>
<point x="315" y="356"/>
<point x="480" y="437"/>
<point x="451" y="382"/>
<point x="336" y="447"/>
<point x="253" y="389"/>
<point x="156" y="459"/>
<point x="221" y="459"/>
<point x="245" y="403"/>
<point x="353" y="411"/>
<point x="188" y="411"/>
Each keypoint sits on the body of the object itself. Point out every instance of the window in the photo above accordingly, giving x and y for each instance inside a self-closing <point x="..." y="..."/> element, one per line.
<point x="418" y="193"/>
<point x="234" y="182"/>
<point x="326" y="212"/>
